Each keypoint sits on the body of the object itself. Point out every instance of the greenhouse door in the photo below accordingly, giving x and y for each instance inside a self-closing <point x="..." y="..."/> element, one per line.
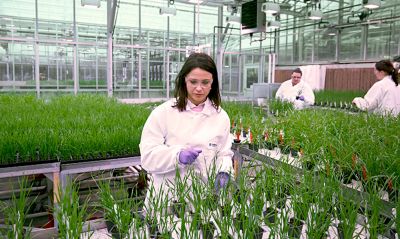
<point x="250" y="76"/>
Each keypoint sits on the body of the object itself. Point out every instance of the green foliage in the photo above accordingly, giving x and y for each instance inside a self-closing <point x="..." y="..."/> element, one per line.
<point x="279" y="107"/>
<point x="118" y="207"/>
<point x="15" y="211"/>
<point x="68" y="128"/>
<point x="336" y="96"/>
<point x="71" y="214"/>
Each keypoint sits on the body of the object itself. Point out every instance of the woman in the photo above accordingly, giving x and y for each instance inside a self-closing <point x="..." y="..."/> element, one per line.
<point x="384" y="96"/>
<point x="189" y="131"/>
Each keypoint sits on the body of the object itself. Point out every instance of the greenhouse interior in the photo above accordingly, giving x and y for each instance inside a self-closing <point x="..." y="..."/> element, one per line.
<point x="82" y="83"/>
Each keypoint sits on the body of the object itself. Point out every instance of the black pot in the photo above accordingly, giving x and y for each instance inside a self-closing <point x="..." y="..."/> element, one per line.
<point x="270" y="215"/>
<point x="340" y="231"/>
<point x="113" y="230"/>
<point x="294" y="152"/>
<point x="285" y="149"/>
<point x="392" y="233"/>
<point x="393" y="195"/>
<point x="295" y="226"/>
<point x="178" y="209"/>
<point x="208" y="230"/>
<point x="309" y="165"/>
<point x="239" y="222"/>
<point x="269" y="145"/>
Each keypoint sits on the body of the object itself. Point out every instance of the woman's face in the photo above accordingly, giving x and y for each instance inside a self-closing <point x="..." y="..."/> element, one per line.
<point x="379" y="74"/>
<point x="198" y="84"/>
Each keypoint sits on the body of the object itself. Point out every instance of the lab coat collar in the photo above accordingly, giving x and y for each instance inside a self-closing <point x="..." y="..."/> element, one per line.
<point x="387" y="78"/>
<point x="190" y="105"/>
<point x="208" y="107"/>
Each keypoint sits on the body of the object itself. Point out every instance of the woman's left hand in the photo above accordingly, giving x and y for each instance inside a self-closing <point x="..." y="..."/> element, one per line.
<point x="221" y="181"/>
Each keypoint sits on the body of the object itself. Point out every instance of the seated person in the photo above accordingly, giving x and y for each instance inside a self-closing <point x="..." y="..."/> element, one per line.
<point x="296" y="91"/>
<point x="384" y="96"/>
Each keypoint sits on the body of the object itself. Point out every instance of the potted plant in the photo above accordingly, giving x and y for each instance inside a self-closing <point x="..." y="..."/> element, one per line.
<point x="70" y="214"/>
<point x="117" y="208"/>
<point x="15" y="212"/>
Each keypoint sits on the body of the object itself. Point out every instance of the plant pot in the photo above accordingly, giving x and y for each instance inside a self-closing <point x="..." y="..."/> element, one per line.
<point x="392" y="233"/>
<point x="294" y="152"/>
<point x="240" y="220"/>
<point x="269" y="145"/>
<point x="270" y="215"/>
<point x="178" y="209"/>
<point x="393" y="195"/>
<point x="295" y="227"/>
<point x="284" y="149"/>
<point x="309" y="165"/>
<point x="113" y="230"/>
<point x="340" y="231"/>
<point x="153" y="230"/>
<point x="207" y="230"/>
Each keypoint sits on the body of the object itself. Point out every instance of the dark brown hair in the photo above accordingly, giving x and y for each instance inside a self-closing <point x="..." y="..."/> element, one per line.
<point x="297" y="70"/>
<point x="387" y="66"/>
<point x="204" y="62"/>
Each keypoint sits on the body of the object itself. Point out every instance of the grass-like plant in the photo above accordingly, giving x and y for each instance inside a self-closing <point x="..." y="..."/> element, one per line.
<point x="346" y="211"/>
<point x="15" y="211"/>
<point x="278" y="107"/>
<point x="64" y="128"/>
<point x="70" y="213"/>
<point x="336" y="96"/>
<point x="118" y="208"/>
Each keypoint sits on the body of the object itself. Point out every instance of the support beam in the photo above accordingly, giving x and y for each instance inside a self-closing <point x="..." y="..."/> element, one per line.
<point x="111" y="6"/>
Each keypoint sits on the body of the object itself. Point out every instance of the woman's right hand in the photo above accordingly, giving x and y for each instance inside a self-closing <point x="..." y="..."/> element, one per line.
<point x="188" y="156"/>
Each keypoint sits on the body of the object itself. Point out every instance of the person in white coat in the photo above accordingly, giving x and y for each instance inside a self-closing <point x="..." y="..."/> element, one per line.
<point x="296" y="91"/>
<point x="384" y="96"/>
<point x="396" y="63"/>
<point x="189" y="131"/>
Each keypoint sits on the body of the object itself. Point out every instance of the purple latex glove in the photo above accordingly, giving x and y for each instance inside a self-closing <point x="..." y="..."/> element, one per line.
<point x="221" y="181"/>
<point x="188" y="156"/>
<point x="300" y="97"/>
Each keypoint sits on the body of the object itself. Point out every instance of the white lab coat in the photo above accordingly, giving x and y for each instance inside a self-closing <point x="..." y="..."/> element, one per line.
<point x="382" y="98"/>
<point x="167" y="131"/>
<point x="288" y="92"/>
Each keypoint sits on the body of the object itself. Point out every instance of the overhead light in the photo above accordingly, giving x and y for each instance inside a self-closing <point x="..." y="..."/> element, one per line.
<point x="270" y="7"/>
<point x="196" y="1"/>
<point x="168" y="11"/>
<point x="371" y="4"/>
<point x="91" y="3"/>
<point x="331" y="31"/>
<point x="233" y="19"/>
<point x="315" y="14"/>
<point x="273" y="24"/>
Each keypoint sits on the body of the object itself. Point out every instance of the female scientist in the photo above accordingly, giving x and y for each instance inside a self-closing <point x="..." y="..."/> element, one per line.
<point x="384" y="96"/>
<point x="189" y="131"/>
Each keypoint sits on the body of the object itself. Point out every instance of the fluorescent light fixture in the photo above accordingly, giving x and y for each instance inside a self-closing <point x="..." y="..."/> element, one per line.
<point x="372" y="4"/>
<point x="273" y="24"/>
<point x="270" y="7"/>
<point x="196" y="1"/>
<point x="91" y="3"/>
<point x="168" y="11"/>
<point x="233" y="19"/>
<point x="331" y="31"/>
<point x="315" y="14"/>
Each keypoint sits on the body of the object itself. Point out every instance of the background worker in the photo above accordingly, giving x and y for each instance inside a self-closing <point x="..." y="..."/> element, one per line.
<point x="384" y="96"/>
<point x="191" y="130"/>
<point x="296" y="91"/>
<point x="396" y="63"/>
